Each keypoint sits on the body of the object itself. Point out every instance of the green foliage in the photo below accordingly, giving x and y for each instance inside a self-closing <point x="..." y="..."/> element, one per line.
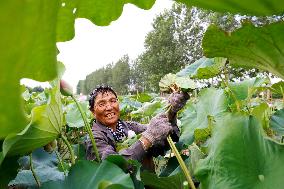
<point x="278" y="88"/>
<point x="203" y="68"/>
<point x="249" y="46"/>
<point x="149" y="109"/>
<point x="120" y="75"/>
<point x="73" y="115"/>
<point x="211" y="103"/>
<point x="92" y="175"/>
<point x="116" y="75"/>
<point x="45" y="166"/>
<point x="245" y="89"/>
<point x="255" y="7"/>
<point x="240" y="157"/>
<point x="8" y="170"/>
<point x="277" y="122"/>
<point x="152" y="180"/>
<point x="23" y="55"/>
<point x="162" y="54"/>
<point x="45" y="126"/>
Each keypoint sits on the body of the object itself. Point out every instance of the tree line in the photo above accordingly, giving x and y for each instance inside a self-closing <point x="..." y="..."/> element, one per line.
<point x="174" y="42"/>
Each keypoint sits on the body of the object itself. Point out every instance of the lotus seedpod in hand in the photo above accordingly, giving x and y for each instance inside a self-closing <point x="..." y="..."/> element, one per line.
<point x="65" y="88"/>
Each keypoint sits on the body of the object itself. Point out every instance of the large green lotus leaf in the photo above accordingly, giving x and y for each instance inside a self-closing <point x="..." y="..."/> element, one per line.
<point x="102" y="12"/>
<point x="203" y="68"/>
<point x="93" y="175"/>
<point x="249" y="46"/>
<point x="152" y="180"/>
<point x="245" y="89"/>
<point x="211" y="104"/>
<point x="277" y="122"/>
<point x="45" y="167"/>
<point x="27" y="50"/>
<point x="253" y="7"/>
<point x="65" y="21"/>
<point x="73" y="115"/>
<point x="45" y="126"/>
<point x="240" y="157"/>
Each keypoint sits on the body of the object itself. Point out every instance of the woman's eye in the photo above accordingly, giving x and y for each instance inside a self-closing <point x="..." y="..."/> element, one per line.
<point x="114" y="101"/>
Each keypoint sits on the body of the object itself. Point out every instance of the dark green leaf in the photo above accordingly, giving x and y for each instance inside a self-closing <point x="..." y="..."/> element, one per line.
<point x="152" y="180"/>
<point x="8" y="170"/>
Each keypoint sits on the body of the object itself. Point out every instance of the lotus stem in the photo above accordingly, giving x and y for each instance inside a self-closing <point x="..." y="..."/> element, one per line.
<point x="60" y="162"/>
<point x="69" y="148"/>
<point x="33" y="171"/>
<point x="89" y="130"/>
<point x="181" y="162"/>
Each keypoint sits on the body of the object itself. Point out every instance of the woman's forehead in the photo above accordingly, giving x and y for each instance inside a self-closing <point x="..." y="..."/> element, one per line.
<point x="105" y="95"/>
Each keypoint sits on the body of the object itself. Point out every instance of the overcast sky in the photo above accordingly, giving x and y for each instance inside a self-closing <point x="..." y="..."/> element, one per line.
<point x="94" y="46"/>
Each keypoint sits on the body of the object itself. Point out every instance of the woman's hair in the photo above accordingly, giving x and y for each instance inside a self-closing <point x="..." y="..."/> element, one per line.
<point x="99" y="89"/>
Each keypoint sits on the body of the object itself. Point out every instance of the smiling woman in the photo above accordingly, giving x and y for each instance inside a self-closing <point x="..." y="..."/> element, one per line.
<point x="106" y="108"/>
<point x="108" y="130"/>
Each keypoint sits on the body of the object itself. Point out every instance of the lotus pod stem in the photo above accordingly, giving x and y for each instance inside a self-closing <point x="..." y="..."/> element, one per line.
<point x="33" y="171"/>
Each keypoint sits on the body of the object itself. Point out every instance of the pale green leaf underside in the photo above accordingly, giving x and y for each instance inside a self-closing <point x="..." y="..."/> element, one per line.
<point x="249" y="46"/>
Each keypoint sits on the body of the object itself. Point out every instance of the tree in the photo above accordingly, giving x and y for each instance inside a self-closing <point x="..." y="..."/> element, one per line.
<point x="120" y="75"/>
<point x="81" y="87"/>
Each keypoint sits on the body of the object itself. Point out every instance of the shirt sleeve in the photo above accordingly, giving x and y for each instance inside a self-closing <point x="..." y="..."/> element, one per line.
<point x="105" y="148"/>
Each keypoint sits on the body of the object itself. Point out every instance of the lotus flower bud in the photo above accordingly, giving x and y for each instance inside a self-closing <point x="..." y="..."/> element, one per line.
<point x="65" y="88"/>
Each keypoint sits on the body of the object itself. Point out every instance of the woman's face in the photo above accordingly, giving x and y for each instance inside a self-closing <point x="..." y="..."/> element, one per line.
<point x="106" y="109"/>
